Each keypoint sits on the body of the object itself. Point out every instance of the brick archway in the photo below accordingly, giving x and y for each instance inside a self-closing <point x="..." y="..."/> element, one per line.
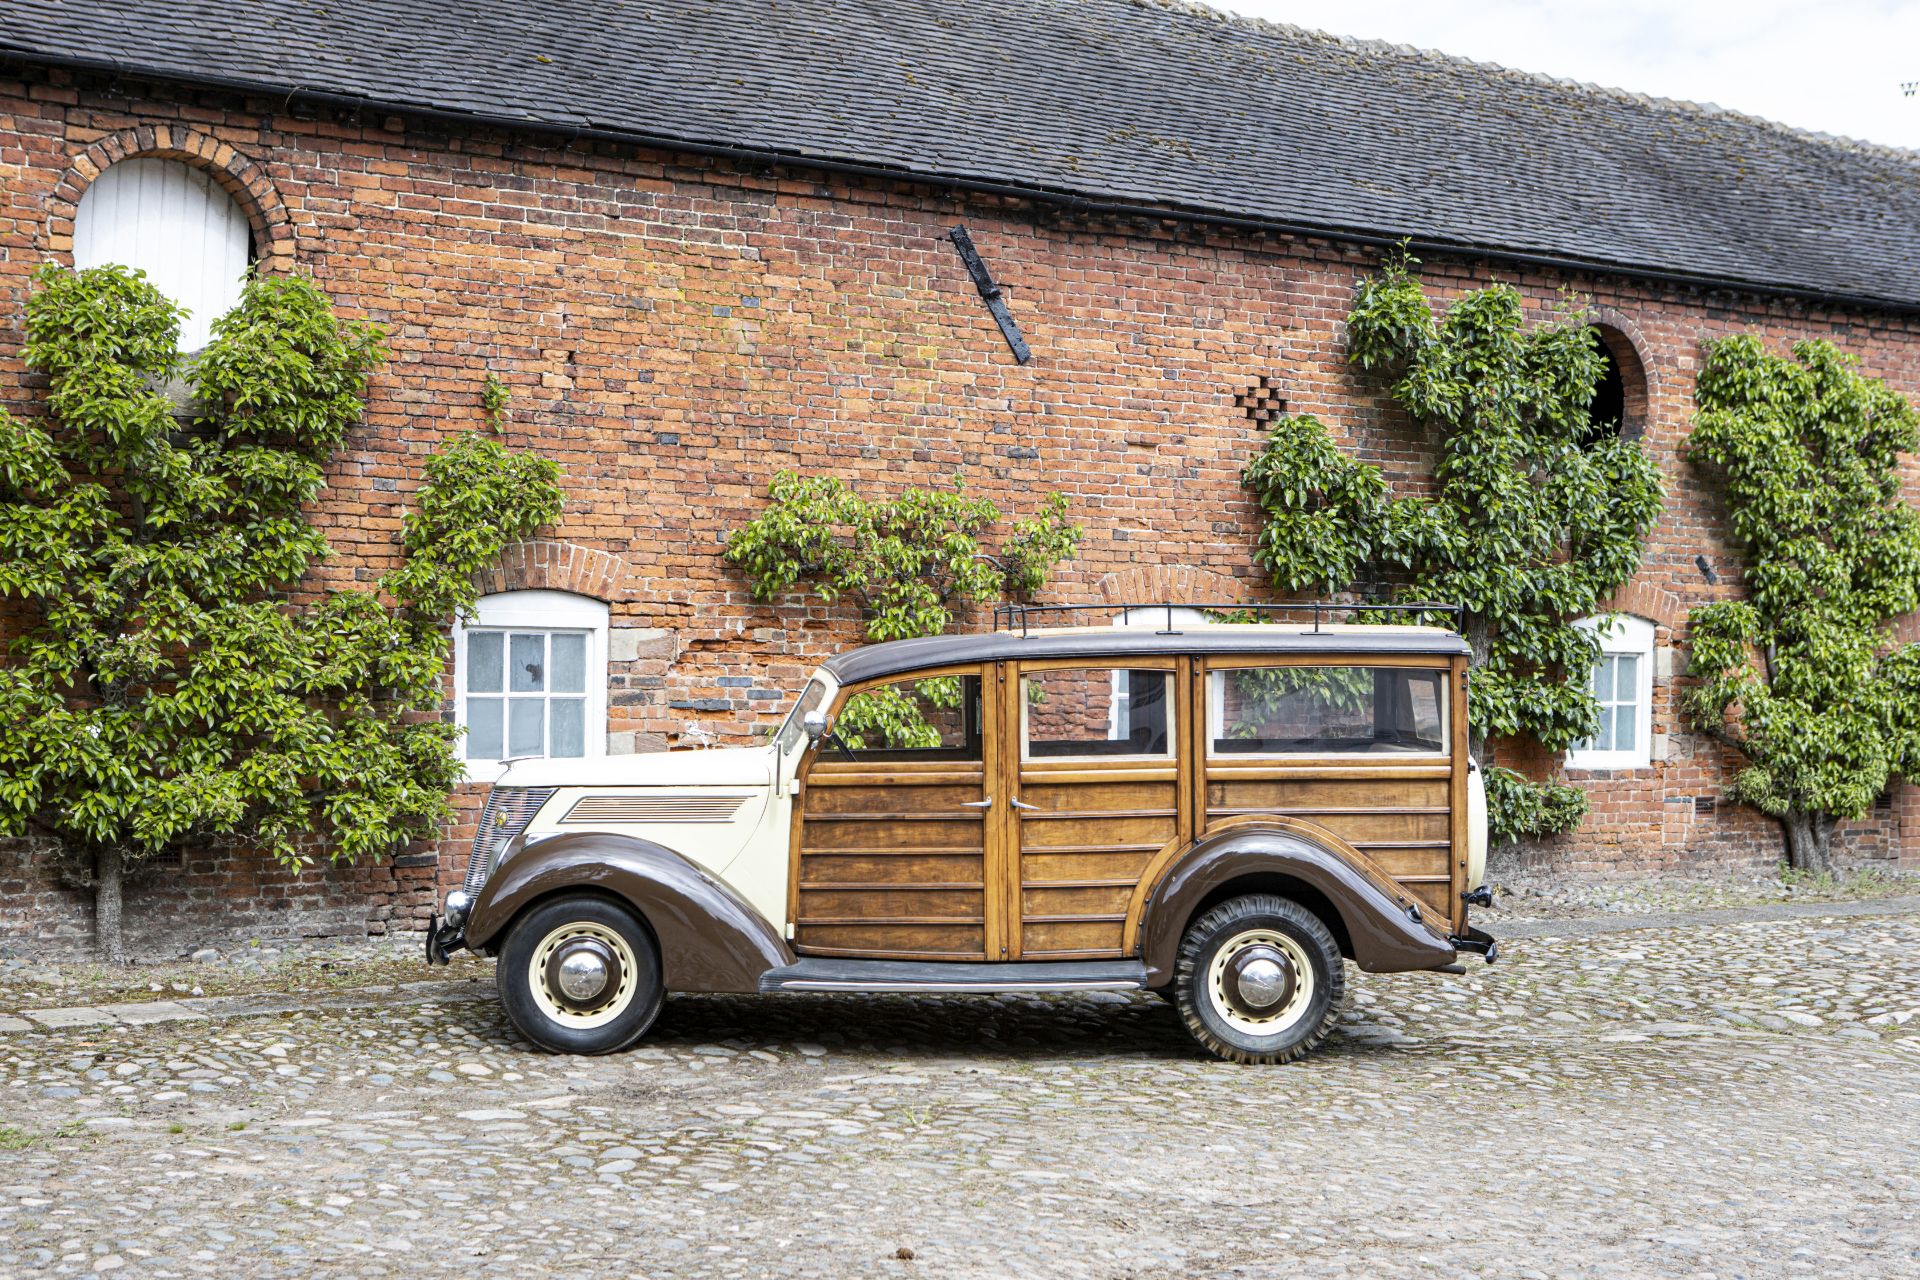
<point x="238" y="175"/>
<point x="549" y="565"/>
<point x="1171" y="584"/>
<point x="1644" y="600"/>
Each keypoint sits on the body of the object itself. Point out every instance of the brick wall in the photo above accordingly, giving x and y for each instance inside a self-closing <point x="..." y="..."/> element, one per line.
<point x="673" y="331"/>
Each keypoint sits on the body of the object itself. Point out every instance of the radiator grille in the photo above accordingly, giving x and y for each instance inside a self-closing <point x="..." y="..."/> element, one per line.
<point x="655" y="808"/>
<point x="505" y="815"/>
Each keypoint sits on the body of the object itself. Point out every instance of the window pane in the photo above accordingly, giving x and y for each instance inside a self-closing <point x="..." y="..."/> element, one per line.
<point x="569" y="657"/>
<point x="483" y="661"/>
<point x="1323" y="710"/>
<point x="1603" y="740"/>
<point x="1097" y="711"/>
<point x="569" y="727"/>
<point x="526" y="726"/>
<point x="529" y="663"/>
<point x="1626" y="678"/>
<point x="483" y="729"/>
<point x="1625" y="727"/>
<point x="1603" y="679"/>
<point x="910" y="717"/>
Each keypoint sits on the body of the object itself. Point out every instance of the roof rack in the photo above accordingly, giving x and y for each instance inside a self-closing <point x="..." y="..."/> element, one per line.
<point x="1007" y="616"/>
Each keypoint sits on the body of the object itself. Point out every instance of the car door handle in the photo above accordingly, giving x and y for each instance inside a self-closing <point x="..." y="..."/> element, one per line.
<point x="1018" y="803"/>
<point x="979" y="804"/>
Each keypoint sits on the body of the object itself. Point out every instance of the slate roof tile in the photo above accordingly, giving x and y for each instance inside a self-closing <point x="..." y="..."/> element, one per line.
<point x="1141" y="102"/>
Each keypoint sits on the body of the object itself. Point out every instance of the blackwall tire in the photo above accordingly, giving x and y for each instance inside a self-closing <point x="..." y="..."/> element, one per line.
<point x="548" y="968"/>
<point x="1259" y="980"/>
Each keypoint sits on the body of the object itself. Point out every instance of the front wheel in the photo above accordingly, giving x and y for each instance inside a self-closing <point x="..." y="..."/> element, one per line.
<point x="580" y="975"/>
<point x="1259" y="979"/>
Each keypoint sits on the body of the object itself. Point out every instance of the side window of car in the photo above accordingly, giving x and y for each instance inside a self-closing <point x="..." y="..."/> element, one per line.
<point x="1096" y="711"/>
<point x="928" y="718"/>
<point x="1331" y="710"/>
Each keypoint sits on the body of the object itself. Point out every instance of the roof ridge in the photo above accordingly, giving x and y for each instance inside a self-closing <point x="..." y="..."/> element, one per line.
<point x="1843" y="142"/>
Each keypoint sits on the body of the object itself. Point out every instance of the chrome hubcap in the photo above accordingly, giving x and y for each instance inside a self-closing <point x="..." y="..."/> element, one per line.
<point x="583" y="973"/>
<point x="1260" y="979"/>
<point x="1261" y="982"/>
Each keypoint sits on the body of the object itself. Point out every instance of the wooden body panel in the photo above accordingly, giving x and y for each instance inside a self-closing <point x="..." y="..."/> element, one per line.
<point x="1082" y="850"/>
<point x="1054" y="858"/>
<point x="894" y="869"/>
<point x="1397" y="811"/>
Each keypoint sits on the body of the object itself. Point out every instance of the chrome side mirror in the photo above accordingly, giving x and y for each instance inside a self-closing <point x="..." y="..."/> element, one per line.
<point x="814" y="724"/>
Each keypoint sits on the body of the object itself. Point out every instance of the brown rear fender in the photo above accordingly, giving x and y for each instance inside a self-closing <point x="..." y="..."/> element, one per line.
<point x="1383" y="936"/>
<point x="709" y="938"/>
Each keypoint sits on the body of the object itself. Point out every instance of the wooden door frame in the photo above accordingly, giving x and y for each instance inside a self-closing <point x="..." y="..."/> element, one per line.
<point x="988" y="724"/>
<point x="1014" y="767"/>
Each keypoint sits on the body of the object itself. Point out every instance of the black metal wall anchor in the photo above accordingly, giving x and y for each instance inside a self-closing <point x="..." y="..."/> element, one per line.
<point x="994" y="295"/>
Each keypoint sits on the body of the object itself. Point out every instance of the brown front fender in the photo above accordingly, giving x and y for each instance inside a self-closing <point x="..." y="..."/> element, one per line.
<point x="1384" y="936"/>
<point x="709" y="938"/>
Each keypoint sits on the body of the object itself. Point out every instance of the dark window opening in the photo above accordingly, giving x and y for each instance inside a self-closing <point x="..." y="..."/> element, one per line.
<point x="1608" y="413"/>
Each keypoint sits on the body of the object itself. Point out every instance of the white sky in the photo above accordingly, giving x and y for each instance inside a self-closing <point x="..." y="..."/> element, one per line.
<point x="1836" y="66"/>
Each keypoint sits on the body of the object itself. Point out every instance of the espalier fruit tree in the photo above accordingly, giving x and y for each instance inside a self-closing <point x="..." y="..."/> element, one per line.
<point x="169" y="681"/>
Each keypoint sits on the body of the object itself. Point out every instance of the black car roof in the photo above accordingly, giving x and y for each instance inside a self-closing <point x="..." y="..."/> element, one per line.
<point x="897" y="657"/>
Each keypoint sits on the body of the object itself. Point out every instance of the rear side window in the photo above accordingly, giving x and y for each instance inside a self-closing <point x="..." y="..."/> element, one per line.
<point x="1332" y="710"/>
<point x="1096" y="711"/>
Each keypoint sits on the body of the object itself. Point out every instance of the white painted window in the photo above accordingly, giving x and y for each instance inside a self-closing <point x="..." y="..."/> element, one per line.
<point x="530" y="679"/>
<point x="1622" y="682"/>
<point x="175" y="223"/>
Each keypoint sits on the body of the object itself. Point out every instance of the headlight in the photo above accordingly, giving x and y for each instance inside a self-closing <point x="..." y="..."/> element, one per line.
<point x="505" y="815"/>
<point x="459" y="902"/>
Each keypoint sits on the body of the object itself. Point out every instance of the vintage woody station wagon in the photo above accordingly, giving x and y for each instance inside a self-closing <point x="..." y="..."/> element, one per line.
<point x="1223" y="813"/>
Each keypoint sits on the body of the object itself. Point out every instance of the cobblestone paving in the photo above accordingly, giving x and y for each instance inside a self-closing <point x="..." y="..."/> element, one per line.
<point x="1726" y="1099"/>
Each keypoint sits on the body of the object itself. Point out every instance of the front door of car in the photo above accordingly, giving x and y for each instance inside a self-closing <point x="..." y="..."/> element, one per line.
<point x="1091" y="781"/>
<point x="897" y="830"/>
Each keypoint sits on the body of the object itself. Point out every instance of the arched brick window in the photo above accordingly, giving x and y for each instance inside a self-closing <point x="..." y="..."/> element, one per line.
<point x="186" y="208"/>
<point x="1620" y="398"/>
<point x="530" y="679"/>
<point x="173" y="222"/>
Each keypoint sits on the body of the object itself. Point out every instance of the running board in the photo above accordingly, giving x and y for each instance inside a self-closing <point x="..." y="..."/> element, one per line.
<point x="814" y="974"/>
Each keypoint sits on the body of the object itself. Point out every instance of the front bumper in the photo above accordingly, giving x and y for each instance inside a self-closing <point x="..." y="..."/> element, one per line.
<point x="1481" y="944"/>
<point x="443" y="939"/>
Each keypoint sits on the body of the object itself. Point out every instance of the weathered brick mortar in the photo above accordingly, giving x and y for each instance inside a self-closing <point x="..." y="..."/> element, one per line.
<point x="673" y="331"/>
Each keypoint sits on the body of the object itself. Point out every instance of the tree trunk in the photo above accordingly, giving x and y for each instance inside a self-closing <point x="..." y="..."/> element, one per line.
<point x="1809" y="841"/>
<point x="109" y="866"/>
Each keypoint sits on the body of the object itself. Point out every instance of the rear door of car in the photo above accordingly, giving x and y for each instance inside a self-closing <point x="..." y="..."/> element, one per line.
<point x="1096" y="789"/>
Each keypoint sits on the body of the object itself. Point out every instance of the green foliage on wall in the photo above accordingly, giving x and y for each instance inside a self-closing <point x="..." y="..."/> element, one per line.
<point x="907" y="561"/>
<point x="173" y="684"/>
<point x="1803" y="677"/>
<point x="1532" y="521"/>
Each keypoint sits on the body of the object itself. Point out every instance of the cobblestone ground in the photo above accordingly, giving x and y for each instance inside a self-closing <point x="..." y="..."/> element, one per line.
<point x="1722" y="1098"/>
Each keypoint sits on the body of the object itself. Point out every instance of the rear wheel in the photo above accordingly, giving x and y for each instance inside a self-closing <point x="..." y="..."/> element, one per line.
<point x="580" y="974"/>
<point x="1259" y="979"/>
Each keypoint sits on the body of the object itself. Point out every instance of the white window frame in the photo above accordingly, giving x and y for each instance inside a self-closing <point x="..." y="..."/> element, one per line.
<point x="537" y="610"/>
<point x="1623" y="635"/>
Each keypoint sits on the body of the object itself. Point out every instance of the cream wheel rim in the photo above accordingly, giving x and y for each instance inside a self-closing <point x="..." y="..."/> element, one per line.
<point x="579" y="1007"/>
<point x="1285" y="1012"/>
